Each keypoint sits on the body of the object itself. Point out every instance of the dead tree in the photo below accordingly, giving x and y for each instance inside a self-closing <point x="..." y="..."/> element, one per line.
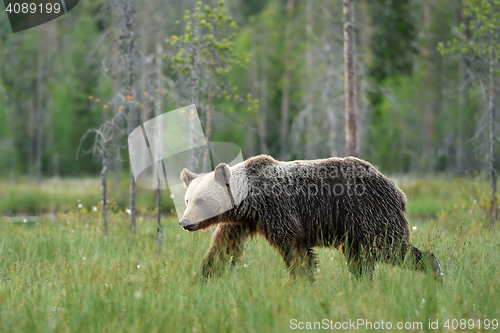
<point x="39" y="115"/>
<point x="103" y="141"/>
<point x="263" y="95"/>
<point x="311" y="149"/>
<point x="157" y="102"/>
<point x="349" y="80"/>
<point x="491" y="127"/>
<point x="285" y="99"/>
<point x="129" y="65"/>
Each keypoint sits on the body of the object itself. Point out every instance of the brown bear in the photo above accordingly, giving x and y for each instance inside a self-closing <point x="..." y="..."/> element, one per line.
<point x="298" y="205"/>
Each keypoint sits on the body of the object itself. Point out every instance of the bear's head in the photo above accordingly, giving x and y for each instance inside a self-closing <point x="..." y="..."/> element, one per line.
<point x="207" y="198"/>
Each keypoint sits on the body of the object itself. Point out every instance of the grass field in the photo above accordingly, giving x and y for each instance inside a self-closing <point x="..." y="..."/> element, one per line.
<point x="63" y="194"/>
<point x="66" y="276"/>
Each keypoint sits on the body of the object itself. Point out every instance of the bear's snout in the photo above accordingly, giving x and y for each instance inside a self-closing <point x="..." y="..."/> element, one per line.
<point x="184" y="223"/>
<point x="187" y="225"/>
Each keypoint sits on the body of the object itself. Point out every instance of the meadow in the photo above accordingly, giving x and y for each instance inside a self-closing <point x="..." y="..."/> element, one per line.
<point x="65" y="275"/>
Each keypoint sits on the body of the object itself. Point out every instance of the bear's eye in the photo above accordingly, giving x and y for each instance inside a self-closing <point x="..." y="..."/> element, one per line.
<point x="186" y="202"/>
<point x="199" y="201"/>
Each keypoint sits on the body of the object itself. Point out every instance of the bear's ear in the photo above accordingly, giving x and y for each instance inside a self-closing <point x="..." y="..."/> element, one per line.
<point x="222" y="173"/>
<point x="187" y="177"/>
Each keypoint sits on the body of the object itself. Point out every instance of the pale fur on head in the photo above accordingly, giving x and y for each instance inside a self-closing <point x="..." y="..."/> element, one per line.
<point x="210" y="195"/>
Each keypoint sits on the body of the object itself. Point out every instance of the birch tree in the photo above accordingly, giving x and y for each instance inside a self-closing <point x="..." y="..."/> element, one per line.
<point x="102" y="143"/>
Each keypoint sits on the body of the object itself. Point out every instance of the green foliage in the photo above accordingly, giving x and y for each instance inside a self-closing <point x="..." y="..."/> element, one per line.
<point x="268" y="30"/>
<point x="251" y="8"/>
<point x="63" y="195"/>
<point x="82" y="80"/>
<point x="393" y="50"/>
<point x="484" y="25"/>
<point x="393" y="38"/>
<point x="429" y="197"/>
<point x="213" y="44"/>
<point x="387" y="120"/>
<point x="68" y="79"/>
<point x="208" y="45"/>
<point x="220" y="37"/>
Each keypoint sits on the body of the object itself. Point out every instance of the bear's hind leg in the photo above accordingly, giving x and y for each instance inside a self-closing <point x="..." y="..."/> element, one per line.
<point x="226" y="247"/>
<point x="300" y="260"/>
<point x="361" y="267"/>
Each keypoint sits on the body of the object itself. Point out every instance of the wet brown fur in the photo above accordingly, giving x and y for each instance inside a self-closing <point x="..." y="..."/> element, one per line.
<point x="367" y="226"/>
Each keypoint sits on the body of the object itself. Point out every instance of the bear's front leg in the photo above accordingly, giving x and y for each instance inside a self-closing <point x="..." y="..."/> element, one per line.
<point x="299" y="259"/>
<point x="360" y="261"/>
<point x="226" y="248"/>
<point x="361" y="266"/>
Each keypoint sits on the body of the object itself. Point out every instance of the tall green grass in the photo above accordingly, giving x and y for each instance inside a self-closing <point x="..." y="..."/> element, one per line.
<point x="64" y="194"/>
<point x="67" y="276"/>
<point x="426" y="197"/>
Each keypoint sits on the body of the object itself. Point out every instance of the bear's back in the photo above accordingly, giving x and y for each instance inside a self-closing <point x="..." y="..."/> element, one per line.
<point x="334" y="170"/>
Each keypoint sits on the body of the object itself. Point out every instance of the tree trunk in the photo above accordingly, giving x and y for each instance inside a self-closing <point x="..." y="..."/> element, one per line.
<point x="118" y="163"/>
<point x="331" y="128"/>
<point x="254" y="71"/>
<point x="132" y="63"/>
<point x="39" y="122"/>
<point x="194" y="80"/>
<point x="208" y="128"/>
<point x="310" y="132"/>
<point x="249" y="142"/>
<point x="437" y="98"/>
<point x="158" y="98"/>
<point x="56" y="164"/>
<point x="115" y="73"/>
<point x="10" y="126"/>
<point x="1" y="61"/>
<point x="363" y="66"/>
<point x="12" y="141"/>
<point x="32" y="138"/>
<point x="285" y="98"/>
<point x="159" y="229"/>
<point x="428" y="110"/>
<point x="104" y="185"/>
<point x="4" y="109"/>
<point x="463" y="99"/>
<point x="349" y="79"/>
<point x="194" y="100"/>
<point x="132" y="187"/>
<point x="263" y="96"/>
<point x="493" y="176"/>
<point x="12" y="173"/>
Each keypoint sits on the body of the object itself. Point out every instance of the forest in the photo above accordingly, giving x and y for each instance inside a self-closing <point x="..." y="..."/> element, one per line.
<point x="418" y="110"/>
<point x="410" y="86"/>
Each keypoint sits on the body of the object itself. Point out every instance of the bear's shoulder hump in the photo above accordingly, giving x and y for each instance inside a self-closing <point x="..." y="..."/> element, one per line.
<point x="260" y="161"/>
